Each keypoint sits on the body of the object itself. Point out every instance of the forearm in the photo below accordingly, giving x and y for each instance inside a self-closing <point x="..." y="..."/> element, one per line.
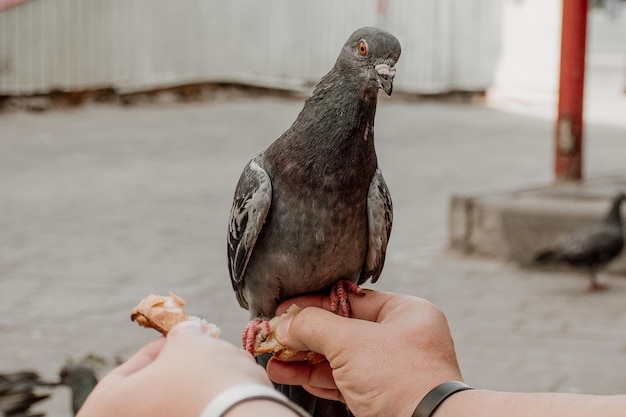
<point x="482" y="403"/>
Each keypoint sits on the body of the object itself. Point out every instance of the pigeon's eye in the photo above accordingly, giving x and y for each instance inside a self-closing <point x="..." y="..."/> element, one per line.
<point x="362" y="48"/>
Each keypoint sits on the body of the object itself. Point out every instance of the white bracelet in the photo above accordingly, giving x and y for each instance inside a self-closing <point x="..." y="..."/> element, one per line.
<point x="231" y="397"/>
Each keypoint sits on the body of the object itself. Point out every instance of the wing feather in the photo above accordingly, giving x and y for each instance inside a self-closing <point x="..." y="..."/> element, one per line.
<point x="380" y="219"/>
<point x="253" y="197"/>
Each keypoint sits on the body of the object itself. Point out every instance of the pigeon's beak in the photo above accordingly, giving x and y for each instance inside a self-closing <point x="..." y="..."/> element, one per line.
<point x="385" y="77"/>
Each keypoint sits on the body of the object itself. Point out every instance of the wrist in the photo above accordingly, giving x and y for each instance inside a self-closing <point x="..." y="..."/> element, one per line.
<point x="455" y="404"/>
<point x="437" y="396"/>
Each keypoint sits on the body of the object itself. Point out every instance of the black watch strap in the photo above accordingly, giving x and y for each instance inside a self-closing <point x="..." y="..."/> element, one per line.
<point x="436" y="396"/>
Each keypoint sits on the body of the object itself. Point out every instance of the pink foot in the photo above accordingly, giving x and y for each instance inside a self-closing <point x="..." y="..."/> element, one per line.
<point x="250" y="332"/>
<point x="339" y="296"/>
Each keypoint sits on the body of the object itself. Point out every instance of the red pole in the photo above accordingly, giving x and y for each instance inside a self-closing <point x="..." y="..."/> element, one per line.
<point x="568" y="139"/>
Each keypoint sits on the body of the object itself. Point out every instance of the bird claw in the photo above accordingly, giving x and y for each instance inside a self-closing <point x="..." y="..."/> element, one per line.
<point x="250" y="332"/>
<point x="339" y="296"/>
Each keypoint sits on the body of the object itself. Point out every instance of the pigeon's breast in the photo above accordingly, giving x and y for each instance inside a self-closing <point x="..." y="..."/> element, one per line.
<point x="310" y="241"/>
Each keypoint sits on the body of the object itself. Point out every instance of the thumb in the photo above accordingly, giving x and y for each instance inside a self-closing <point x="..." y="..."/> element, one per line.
<point x="194" y="327"/>
<point x="313" y="329"/>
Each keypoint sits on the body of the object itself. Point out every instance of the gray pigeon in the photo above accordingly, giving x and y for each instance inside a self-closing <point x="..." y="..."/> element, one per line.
<point x="592" y="246"/>
<point x="81" y="380"/>
<point x="313" y="209"/>
<point x="21" y="390"/>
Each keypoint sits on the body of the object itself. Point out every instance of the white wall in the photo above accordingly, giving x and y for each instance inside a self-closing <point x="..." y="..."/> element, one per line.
<point x="137" y="44"/>
<point x="528" y="68"/>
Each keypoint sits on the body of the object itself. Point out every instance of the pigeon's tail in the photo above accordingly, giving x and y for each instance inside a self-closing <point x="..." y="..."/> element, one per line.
<point x="317" y="407"/>
<point x="548" y="256"/>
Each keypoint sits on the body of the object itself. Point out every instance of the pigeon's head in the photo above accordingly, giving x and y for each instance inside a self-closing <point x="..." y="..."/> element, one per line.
<point x="373" y="53"/>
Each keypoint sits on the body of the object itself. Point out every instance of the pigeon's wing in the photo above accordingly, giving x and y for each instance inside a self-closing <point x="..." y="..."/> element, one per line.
<point x="253" y="197"/>
<point x="594" y="243"/>
<point x="380" y="218"/>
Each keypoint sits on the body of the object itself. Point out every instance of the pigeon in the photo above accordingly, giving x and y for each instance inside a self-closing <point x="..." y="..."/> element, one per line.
<point x="592" y="246"/>
<point x="81" y="380"/>
<point x="19" y="391"/>
<point x="312" y="212"/>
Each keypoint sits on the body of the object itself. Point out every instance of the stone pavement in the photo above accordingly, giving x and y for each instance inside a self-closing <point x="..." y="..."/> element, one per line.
<point x="102" y="205"/>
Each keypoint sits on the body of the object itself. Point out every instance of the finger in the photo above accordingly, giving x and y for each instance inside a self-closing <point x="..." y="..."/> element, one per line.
<point x="197" y="342"/>
<point x="318" y="330"/>
<point x="193" y="327"/>
<point x="137" y="362"/>
<point x="367" y="306"/>
<point x="377" y="306"/>
<point x="328" y="394"/>
<point x="301" y="373"/>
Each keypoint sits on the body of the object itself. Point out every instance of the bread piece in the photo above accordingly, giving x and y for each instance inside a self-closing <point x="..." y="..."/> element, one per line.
<point x="162" y="313"/>
<point x="271" y="345"/>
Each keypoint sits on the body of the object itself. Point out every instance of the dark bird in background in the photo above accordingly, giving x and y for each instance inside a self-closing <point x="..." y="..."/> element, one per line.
<point x="592" y="246"/>
<point x="80" y="376"/>
<point x="313" y="209"/>
<point x="81" y="379"/>
<point x="19" y="391"/>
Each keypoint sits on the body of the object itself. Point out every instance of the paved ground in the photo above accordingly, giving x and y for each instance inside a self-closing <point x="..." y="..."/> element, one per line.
<point x="103" y="205"/>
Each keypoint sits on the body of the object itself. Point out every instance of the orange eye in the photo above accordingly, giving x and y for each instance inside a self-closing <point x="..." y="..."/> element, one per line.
<point x="362" y="48"/>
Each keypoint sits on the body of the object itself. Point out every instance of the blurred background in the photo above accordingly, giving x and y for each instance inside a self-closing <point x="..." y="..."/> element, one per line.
<point x="449" y="45"/>
<point x="124" y="126"/>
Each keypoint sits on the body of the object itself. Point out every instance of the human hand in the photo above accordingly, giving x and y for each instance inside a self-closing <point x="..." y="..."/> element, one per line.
<point x="177" y="375"/>
<point x="381" y="362"/>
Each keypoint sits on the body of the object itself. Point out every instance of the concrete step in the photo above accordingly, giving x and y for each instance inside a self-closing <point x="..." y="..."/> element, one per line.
<point x="515" y="225"/>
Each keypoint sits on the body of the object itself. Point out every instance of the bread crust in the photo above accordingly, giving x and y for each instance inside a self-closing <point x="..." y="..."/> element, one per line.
<point x="163" y="312"/>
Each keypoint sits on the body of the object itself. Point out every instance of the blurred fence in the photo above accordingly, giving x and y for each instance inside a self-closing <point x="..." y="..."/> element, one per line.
<point x="71" y="45"/>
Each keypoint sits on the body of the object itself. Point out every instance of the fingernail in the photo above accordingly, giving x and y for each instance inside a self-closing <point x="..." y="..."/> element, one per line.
<point x="282" y="329"/>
